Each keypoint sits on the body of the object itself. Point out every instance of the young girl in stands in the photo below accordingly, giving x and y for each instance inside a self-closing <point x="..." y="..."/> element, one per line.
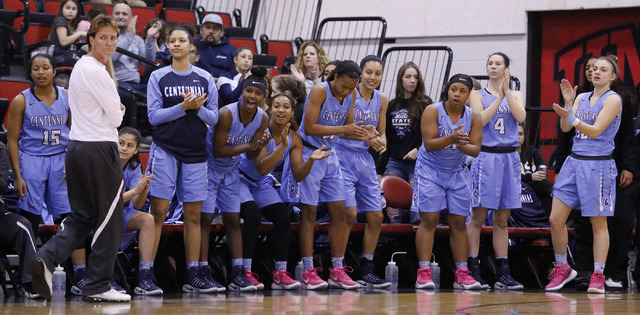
<point x="136" y="185"/>
<point x="37" y="137"/>
<point x="182" y="102"/>
<point x="587" y="179"/>
<point x="362" y="192"/>
<point x="230" y="83"/>
<point x="496" y="171"/>
<point x="451" y="131"/>
<point x="328" y="114"/>
<point x="531" y="162"/>
<point x="260" y="199"/>
<point x="403" y="124"/>
<point x="309" y="65"/>
<point x="240" y="129"/>
<point x="65" y="35"/>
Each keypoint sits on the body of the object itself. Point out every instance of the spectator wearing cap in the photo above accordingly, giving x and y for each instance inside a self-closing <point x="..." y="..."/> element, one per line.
<point x="216" y="54"/>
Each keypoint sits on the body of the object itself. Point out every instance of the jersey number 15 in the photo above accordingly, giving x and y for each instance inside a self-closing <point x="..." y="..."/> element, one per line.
<point x="51" y="137"/>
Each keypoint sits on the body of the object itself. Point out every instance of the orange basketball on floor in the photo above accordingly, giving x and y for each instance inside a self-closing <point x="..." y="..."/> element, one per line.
<point x="397" y="191"/>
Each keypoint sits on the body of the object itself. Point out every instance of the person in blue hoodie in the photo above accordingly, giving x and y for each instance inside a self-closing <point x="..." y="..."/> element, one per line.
<point x="216" y="54"/>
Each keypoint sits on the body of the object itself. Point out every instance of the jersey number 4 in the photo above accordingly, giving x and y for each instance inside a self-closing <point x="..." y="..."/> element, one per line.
<point x="499" y="125"/>
<point x="51" y="137"/>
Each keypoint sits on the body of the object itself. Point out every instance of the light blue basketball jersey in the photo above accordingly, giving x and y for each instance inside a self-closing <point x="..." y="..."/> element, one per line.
<point x="248" y="167"/>
<point x="332" y="113"/>
<point x="44" y="128"/>
<point x="131" y="178"/>
<point x="369" y="114"/>
<point x="449" y="159"/>
<point x="238" y="135"/>
<point x="502" y="129"/>
<point x="603" y="144"/>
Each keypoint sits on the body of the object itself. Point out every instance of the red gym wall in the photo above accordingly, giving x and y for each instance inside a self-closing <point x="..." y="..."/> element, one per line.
<point x="560" y="42"/>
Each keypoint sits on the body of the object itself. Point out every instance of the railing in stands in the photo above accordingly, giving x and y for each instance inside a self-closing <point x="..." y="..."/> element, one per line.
<point x="243" y="11"/>
<point x="288" y="19"/>
<point x="434" y="63"/>
<point x="352" y="38"/>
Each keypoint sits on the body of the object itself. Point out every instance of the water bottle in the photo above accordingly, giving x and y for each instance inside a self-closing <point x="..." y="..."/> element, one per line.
<point x="435" y="272"/>
<point x="391" y="271"/>
<point x="59" y="282"/>
<point x="298" y="271"/>
<point x="74" y="50"/>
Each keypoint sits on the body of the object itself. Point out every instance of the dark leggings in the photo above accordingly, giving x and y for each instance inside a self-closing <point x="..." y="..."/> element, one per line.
<point x="278" y="215"/>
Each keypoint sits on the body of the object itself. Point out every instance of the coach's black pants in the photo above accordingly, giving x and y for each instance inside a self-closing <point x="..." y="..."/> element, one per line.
<point x="95" y="183"/>
<point x="620" y="226"/>
<point x="16" y="230"/>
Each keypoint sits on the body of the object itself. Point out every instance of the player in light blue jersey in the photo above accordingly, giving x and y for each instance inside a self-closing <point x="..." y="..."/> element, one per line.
<point x="588" y="177"/>
<point x="328" y="114"/>
<point x="496" y="171"/>
<point x="38" y="134"/>
<point x="451" y="131"/>
<point x="241" y="129"/>
<point x="182" y="101"/>
<point x="362" y="191"/>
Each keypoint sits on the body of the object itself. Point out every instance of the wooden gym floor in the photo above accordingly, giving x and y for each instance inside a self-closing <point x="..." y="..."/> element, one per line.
<point x="406" y="301"/>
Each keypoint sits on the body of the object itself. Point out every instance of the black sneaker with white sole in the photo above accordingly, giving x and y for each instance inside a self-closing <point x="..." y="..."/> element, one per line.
<point x="365" y="276"/>
<point x="41" y="278"/>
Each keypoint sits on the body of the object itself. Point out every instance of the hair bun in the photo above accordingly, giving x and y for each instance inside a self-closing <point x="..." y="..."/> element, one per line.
<point x="259" y="71"/>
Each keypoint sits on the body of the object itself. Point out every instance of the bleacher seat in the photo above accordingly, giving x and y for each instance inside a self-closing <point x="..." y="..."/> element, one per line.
<point x="264" y="60"/>
<point x="52" y="6"/>
<point x="144" y="16"/>
<point x="11" y="88"/>
<point x="179" y="4"/>
<point x="249" y="42"/>
<point x="17" y="5"/>
<point x="180" y="15"/>
<point x="280" y="48"/>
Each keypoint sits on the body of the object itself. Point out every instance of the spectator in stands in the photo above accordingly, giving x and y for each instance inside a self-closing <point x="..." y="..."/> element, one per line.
<point x="496" y="171"/>
<point x="328" y="114"/>
<point x="65" y="36"/>
<point x="530" y="162"/>
<point x="327" y="69"/>
<point x="134" y="197"/>
<point x="155" y="27"/>
<point x="260" y="199"/>
<point x="216" y="54"/>
<point x="38" y="135"/>
<point x="230" y="139"/>
<point x="230" y="83"/>
<point x="404" y="137"/>
<point x="309" y="65"/>
<point x="287" y="84"/>
<point x="95" y="11"/>
<point x="577" y="185"/>
<point x="442" y="178"/>
<point x="16" y="229"/>
<point x="125" y="67"/>
<point x="194" y="55"/>
<point x="362" y="191"/>
<point x="180" y="117"/>
<point x="164" y="54"/>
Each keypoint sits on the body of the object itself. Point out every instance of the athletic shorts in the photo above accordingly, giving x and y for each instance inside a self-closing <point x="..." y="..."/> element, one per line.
<point x="43" y="175"/>
<point x="222" y="191"/>
<point x="324" y="182"/>
<point x="262" y="191"/>
<point x="435" y="190"/>
<point x="289" y="187"/>
<point x="596" y="194"/>
<point x="361" y="186"/>
<point x="496" y="181"/>
<point x="187" y="180"/>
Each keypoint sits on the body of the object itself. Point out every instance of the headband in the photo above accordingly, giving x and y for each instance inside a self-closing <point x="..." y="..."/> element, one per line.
<point x="256" y="82"/>
<point x="461" y="78"/>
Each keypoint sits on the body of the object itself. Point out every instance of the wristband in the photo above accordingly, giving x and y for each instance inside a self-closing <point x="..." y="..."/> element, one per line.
<point x="570" y="118"/>
<point x="575" y="122"/>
